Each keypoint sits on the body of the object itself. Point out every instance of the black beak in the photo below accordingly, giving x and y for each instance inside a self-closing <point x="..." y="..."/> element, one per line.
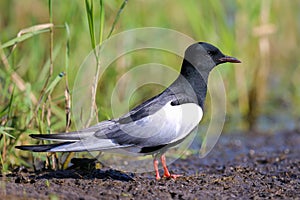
<point x="229" y="59"/>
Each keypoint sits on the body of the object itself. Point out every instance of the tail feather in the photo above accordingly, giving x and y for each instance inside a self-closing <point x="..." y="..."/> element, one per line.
<point x="72" y="136"/>
<point x="101" y="128"/>
<point x="41" y="148"/>
<point x="87" y="144"/>
<point x="82" y="140"/>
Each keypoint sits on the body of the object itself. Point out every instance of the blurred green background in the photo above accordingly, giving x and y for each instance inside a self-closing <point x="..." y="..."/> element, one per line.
<point x="263" y="93"/>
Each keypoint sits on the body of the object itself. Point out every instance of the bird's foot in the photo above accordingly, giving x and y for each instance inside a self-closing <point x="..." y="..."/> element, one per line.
<point x="174" y="176"/>
<point x="157" y="177"/>
<point x="167" y="176"/>
<point x="171" y="176"/>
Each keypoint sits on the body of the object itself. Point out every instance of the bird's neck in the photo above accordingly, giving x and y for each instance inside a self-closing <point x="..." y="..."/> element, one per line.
<point x="196" y="79"/>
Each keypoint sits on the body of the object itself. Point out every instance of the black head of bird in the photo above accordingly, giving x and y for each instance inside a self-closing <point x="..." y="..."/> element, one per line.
<point x="205" y="56"/>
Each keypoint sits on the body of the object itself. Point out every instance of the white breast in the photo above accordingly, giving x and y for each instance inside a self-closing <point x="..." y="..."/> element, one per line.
<point x="184" y="117"/>
<point x="169" y="124"/>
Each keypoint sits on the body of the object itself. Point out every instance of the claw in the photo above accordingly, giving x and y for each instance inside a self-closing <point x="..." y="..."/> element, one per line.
<point x="167" y="174"/>
<point x="172" y="176"/>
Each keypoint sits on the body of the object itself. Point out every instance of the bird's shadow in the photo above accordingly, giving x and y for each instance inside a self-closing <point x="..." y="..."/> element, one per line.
<point x="83" y="174"/>
<point x="81" y="169"/>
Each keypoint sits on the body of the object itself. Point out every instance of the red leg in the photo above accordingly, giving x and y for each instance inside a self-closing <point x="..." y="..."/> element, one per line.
<point x="155" y="164"/>
<point x="166" y="171"/>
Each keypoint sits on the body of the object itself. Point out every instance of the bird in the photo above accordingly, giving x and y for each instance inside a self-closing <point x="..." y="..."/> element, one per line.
<point x="155" y="125"/>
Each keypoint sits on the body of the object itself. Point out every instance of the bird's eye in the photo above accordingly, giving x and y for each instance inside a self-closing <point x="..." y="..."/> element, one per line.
<point x="211" y="53"/>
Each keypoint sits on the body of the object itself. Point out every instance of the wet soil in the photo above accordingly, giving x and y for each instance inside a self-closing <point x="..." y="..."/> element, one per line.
<point x="248" y="166"/>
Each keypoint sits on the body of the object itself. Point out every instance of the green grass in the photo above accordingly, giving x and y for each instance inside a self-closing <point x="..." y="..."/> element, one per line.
<point x="55" y="37"/>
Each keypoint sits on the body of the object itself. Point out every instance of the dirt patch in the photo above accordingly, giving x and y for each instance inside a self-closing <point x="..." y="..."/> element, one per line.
<point x="240" y="166"/>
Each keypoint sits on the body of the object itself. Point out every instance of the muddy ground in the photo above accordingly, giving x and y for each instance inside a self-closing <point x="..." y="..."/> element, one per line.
<point x="253" y="166"/>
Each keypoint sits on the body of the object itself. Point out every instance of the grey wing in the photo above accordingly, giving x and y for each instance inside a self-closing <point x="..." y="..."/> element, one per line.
<point x="153" y="130"/>
<point x="158" y="121"/>
<point x="168" y="125"/>
<point x="148" y="125"/>
<point x="150" y="131"/>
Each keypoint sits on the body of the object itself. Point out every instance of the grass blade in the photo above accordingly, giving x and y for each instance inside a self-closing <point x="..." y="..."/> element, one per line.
<point x="55" y="82"/>
<point x="90" y="13"/>
<point x="102" y="20"/>
<point x="67" y="91"/>
<point x="117" y="17"/>
<point x="27" y="33"/>
<point x="4" y="129"/>
<point x="50" y="10"/>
